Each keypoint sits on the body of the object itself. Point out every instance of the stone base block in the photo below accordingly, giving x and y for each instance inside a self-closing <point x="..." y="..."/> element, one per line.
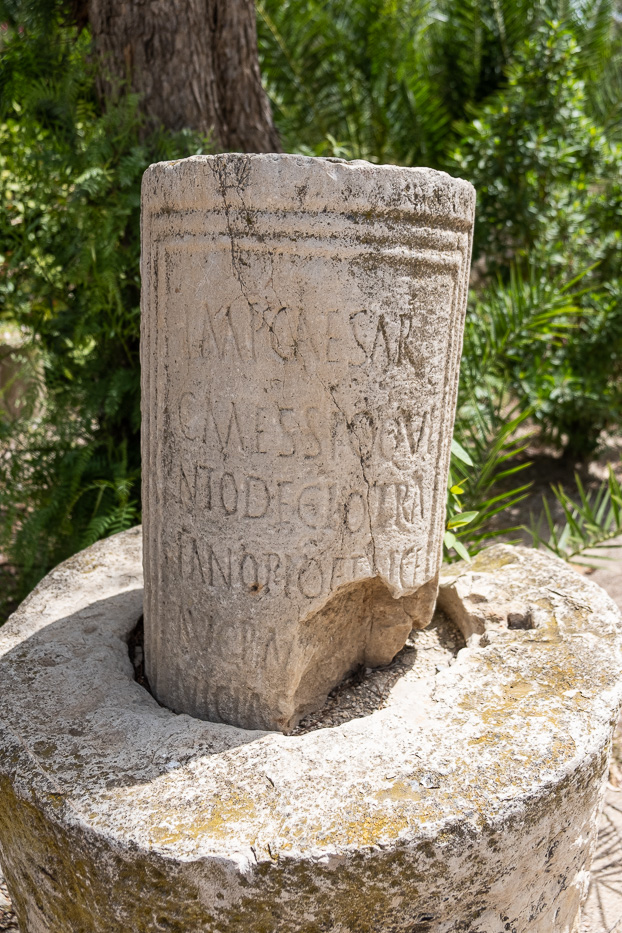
<point x="467" y="802"/>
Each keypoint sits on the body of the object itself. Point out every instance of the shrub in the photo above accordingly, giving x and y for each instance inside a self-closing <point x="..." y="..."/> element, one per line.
<point x="363" y="78"/>
<point x="548" y="183"/>
<point x="70" y="176"/>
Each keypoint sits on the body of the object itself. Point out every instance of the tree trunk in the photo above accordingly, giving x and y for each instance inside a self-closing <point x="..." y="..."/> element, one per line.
<point x="194" y="63"/>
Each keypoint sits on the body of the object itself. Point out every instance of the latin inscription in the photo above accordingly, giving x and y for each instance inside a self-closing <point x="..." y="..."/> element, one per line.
<point x="243" y="454"/>
<point x="275" y="573"/>
<point x="284" y="432"/>
<point x="207" y="490"/>
<point x="243" y="331"/>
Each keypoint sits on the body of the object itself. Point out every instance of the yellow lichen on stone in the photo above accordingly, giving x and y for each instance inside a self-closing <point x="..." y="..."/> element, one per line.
<point x="469" y="801"/>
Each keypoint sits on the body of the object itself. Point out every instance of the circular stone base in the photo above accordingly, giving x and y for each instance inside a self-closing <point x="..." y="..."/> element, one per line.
<point x="468" y="802"/>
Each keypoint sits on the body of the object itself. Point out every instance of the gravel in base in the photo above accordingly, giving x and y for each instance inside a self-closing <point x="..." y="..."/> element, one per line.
<point x="7" y="917"/>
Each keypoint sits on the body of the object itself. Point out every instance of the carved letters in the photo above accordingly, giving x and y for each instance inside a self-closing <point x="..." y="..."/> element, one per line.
<point x="277" y="573"/>
<point x="286" y="432"/>
<point x="238" y="331"/>
<point x="205" y="490"/>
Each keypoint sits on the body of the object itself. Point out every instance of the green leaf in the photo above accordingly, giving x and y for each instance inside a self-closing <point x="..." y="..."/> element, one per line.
<point x="460" y="453"/>
<point x="462" y="552"/>
<point x="463" y="518"/>
<point x="590" y="522"/>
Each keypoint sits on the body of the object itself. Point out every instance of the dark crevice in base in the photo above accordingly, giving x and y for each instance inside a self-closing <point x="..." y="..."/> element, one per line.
<point x="136" y="649"/>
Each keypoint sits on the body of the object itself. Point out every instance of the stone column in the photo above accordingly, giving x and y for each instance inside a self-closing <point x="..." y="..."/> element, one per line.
<point x="302" y="329"/>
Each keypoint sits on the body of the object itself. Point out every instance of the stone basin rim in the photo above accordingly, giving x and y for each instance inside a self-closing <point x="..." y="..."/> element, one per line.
<point x="399" y="744"/>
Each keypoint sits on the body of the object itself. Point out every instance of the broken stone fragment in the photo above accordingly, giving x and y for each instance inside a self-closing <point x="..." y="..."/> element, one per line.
<point x="302" y="329"/>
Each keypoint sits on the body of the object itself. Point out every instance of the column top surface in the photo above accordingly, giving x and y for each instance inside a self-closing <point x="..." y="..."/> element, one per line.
<point x="303" y="184"/>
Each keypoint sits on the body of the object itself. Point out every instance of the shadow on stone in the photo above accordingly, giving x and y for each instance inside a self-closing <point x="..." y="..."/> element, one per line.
<point x="84" y="659"/>
<point x="365" y="689"/>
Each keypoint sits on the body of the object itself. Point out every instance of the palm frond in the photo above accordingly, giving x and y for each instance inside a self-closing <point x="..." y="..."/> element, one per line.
<point x="590" y="521"/>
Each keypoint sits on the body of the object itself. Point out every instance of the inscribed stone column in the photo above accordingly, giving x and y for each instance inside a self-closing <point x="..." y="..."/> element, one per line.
<point x="302" y="329"/>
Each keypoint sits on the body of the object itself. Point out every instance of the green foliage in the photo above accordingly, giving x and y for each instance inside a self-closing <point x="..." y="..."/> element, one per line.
<point x="522" y="96"/>
<point x="535" y="156"/>
<point x="69" y="278"/>
<point x="590" y="522"/>
<point x="478" y="487"/>
<point x="549" y="196"/>
<point x="456" y="516"/>
<point x="349" y="78"/>
<point x="579" y="393"/>
<point x="386" y="80"/>
<point x="381" y="79"/>
<point x="509" y="328"/>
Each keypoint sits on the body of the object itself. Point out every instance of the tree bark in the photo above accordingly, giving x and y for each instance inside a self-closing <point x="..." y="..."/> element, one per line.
<point x="193" y="62"/>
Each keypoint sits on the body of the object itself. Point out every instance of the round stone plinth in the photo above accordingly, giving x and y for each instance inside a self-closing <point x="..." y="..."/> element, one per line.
<point x="467" y="802"/>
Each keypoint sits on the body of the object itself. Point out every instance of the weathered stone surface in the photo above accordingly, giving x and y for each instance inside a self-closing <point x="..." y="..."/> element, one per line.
<point x="468" y="803"/>
<point x="302" y="328"/>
